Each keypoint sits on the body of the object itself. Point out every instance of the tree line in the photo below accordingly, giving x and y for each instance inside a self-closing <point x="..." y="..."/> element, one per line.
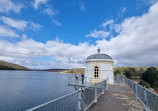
<point x="147" y="76"/>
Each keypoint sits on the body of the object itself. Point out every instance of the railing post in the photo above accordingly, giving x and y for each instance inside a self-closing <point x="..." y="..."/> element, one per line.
<point x="95" y="93"/>
<point x="136" y="90"/>
<point x="145" y="96"/>
<point x="69" y="80"/>
<point x="102" y="84"/>
<point x="79" y="101"/>
<point x="106" y="83"/>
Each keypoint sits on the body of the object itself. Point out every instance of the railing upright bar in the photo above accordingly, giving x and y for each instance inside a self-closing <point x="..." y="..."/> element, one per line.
<point x="95" y="93"/>
<point x="145" y="97"/>
<point x="136" y="90"/>
<point x="102" y="86"/>
<point x="79" y="101"/>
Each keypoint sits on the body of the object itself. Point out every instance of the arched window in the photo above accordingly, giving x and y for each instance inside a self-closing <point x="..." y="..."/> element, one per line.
<point x="96" y="72"/>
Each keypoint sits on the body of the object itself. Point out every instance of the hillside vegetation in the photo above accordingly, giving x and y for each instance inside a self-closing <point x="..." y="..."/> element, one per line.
<point x="138" y="70"/>
<point x="10" y="66"/>
<point x="73" y="71"/>
<point x="145" y="76"/>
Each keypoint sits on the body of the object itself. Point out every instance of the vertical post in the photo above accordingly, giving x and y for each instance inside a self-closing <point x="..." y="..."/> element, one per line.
<point x="69" y="79"/>
<point x="95" y="93"/>
<point x="79" y="101"/>
<point x="102" y="86"/>
<point x="145" y="96"/>
<point x="106" y="83"/>
<point x="123" y="79"/>
<point x="136" y="90"/>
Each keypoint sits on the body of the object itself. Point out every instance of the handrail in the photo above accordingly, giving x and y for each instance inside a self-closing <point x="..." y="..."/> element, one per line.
<point x="84" y="95"/>
<point x="74" y="79"/>
<point x="148" y="98"/>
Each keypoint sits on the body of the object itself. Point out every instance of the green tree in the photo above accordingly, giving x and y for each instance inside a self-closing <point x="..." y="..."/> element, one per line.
<point x="140" y="72"/>
<point x="144" y="83"/>
<point x="117" y="71"/>
<point x="155" y="85"/>
<point x="150" y="75"/>
<point x="130" y="72"/>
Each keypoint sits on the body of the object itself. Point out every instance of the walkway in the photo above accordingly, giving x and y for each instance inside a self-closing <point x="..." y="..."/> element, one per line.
<point x="118" y="97"/>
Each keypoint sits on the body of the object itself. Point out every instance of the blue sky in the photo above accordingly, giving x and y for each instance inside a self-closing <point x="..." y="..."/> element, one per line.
<point x="46" y="33"/>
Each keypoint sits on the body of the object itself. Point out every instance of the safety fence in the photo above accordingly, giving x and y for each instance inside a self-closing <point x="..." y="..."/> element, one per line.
<point x="147" y="97"/>
<point x="85" y="81"/>
<point x="78" y="80"/>
<point x="80" y="100"/>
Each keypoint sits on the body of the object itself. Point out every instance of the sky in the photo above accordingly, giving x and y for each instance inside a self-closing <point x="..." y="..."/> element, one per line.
<point x="45" y="34"/>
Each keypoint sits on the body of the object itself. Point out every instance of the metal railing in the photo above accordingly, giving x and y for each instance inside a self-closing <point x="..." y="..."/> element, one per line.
<point x="77" y="81"/>
<point x="77" y="101"/>
<point x="147" y="97"/>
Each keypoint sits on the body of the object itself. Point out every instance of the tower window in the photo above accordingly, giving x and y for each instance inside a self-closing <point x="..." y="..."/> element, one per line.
<point x="96" y="72"/>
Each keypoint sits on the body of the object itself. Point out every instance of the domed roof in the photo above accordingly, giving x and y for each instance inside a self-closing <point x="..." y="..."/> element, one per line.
<point x="99" y="56"/>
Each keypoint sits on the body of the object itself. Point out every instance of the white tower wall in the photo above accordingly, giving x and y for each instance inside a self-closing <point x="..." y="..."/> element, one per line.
<point x="105" y="71"/>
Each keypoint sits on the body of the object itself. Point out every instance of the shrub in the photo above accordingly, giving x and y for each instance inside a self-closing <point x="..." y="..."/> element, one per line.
<point x="116" y="71"/>
<point x="130" y="72"/>
<point x="143" y="83"/>
<point x="150" y="75"/>
<point x="155" y="85"/>
<point x="140" y="72"/>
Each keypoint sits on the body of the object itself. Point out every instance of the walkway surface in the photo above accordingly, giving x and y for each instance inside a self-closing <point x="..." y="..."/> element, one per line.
<point x="118" y="97"/>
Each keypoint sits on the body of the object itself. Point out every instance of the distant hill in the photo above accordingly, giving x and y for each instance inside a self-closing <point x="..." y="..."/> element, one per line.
<point x="51" y="70"/>
<point x="10" y="66"/>
<point x="73" y="71"/>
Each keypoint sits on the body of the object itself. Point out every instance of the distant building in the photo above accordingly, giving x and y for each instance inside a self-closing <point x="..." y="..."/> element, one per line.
<point x="99" y="67"/>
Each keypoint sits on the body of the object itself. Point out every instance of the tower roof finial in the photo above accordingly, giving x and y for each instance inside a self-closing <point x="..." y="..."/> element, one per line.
<point x="98" y="50"/>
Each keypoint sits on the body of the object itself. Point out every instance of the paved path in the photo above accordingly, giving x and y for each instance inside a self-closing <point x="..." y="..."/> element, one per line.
<point x="118" y="97"/>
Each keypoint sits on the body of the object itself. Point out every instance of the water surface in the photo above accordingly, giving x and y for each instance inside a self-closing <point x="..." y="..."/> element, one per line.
<point x="21" y="90"/>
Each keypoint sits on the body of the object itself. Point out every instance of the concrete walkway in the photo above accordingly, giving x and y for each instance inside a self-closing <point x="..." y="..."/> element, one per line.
<point x="117" y="97"/>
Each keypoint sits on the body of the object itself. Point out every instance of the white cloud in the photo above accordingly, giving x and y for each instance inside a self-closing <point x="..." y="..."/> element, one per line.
<point x="56" y="22"/>
<point x="37" y="3"/>
<point x="137" y="42"/>
<point x="147" y="1"/>
<point x="106" y="23"/>
<point x="34" y="26"/>
<point x="98" y="34"/>
<point x="104" y="33"/>
<point x="135" y="45"/>
<point x="64" y="55"/>
<point x="46" y="9"/>
<point x="117" y="28"/>
<point x="24" y="37"/>
<point x="18" y="24"/>
<point x="8" y="5"/>
<point x="49" y="11"/>
<point x="82" y="6"/>
<point x="7" y="32"/>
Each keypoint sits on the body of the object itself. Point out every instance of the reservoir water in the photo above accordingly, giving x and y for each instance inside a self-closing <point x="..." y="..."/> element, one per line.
<point x="21" y="90"/>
